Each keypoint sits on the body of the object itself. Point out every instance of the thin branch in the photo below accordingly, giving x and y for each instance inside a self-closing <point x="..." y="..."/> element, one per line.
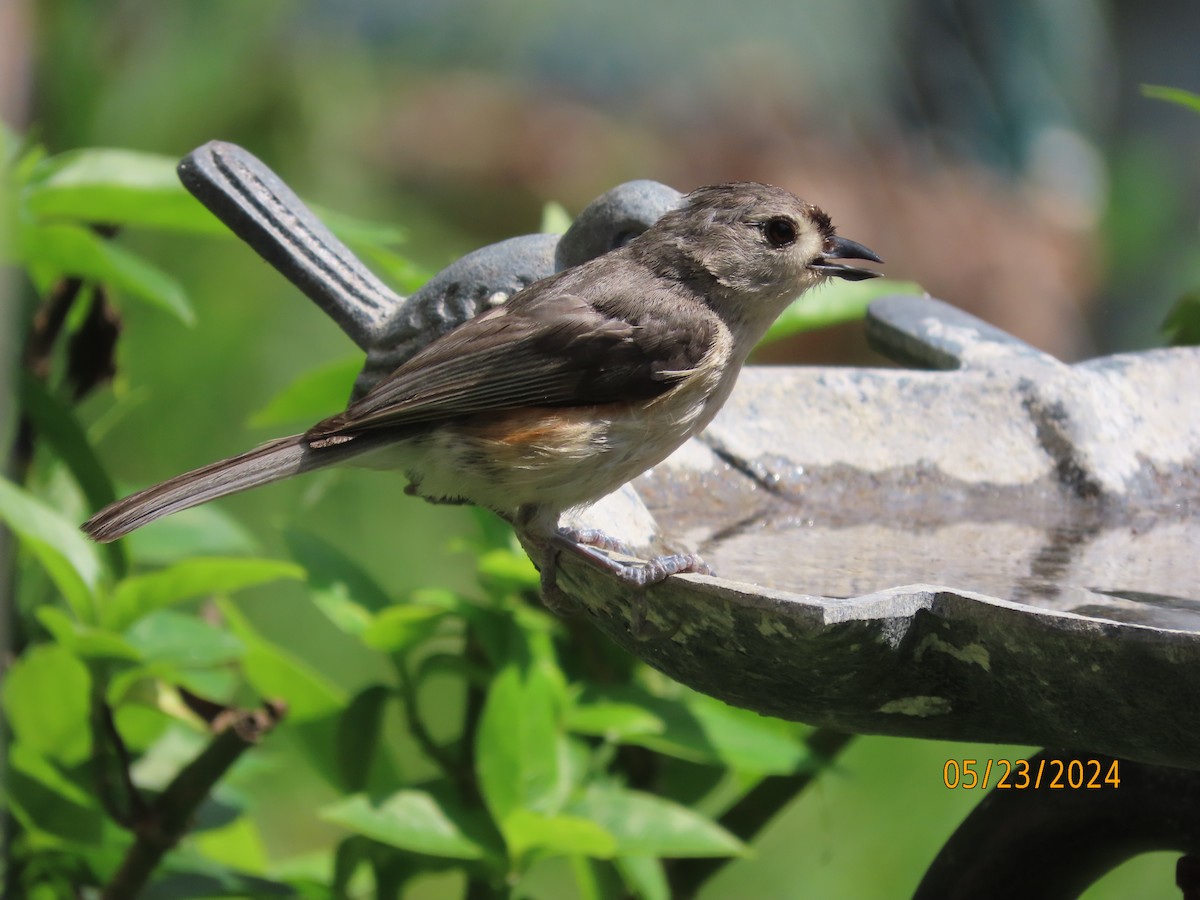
<point x="163" y="824"/>
<point x="92" y="349"/>
<point x="416" y="726"/>
<point x="126" y="810"/>
<point x="476" y="697"/>
<point x="36" y="357"/>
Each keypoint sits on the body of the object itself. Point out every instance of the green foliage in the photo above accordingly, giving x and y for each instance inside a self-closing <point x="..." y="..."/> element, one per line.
<point x="1178" y="96"/>
<point x="412" y="820"/>
<point x="58" y="204"/>
<point x="66" y="556"/>
<point x="311" y="396"/>
<point x="555" y="219"/>
<point x="491" y="739"/>
<point x="1182" y="324"/>
<point x="59" y="208"/>
<point x="833" y="304"/>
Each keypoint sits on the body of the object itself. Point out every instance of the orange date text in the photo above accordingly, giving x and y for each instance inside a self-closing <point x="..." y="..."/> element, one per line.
<point x="1026" y="774"/>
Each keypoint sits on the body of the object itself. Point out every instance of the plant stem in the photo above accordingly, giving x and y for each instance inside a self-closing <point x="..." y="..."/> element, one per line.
<point x="416" y="726"/>
<point x="126" y="809"/>
<point x="160" y="826"/>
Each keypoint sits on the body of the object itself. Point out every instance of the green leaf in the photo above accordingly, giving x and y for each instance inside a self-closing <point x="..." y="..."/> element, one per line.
<point x="1178" y="96"/>
<point x="505" y="571"/>
<point x="85" y="641"/>
<point x="182" y="640"/>
<point x="746" y="741"/>
<point x="491" y="626"/>
<point x="696" y="728"/>
<point x="356" y="231"/>
<point x="680" y="736"/>
<point x="832" y="304"/>
<point x="646" y="825"/>
<point x="357" y="736"/>
<point x="615" y="721"/>
<point x="52" y="251"/>
<point x="48" y="803"/>
<point x="411" y="820"/>
<point x="275" y="673"/>
<point x="186" y="875"/>
<point x="200" y="531"/>
<point x="349" y="857"/>
<point x="57" y="424"/>
<point x="70" y="559"/>
<point x="47" y="701"/>
<point x="314" y="395"/>
<point x="1182" y="324"/>
<point x="400" y="628"/>
<point x="404" y="274"/>
<point x="555" y="218"/>
<point x="453" y="665"/>
<point x="557" y="835"/>
<point x="238" y="845"/>
<point x="139" y="595"/>
<point x="151" y="684"/>
<point x="340" y="587"/>
<point x="317" y="740"/>
<point x="644" y="876"/>
<point x="140" y="725"/>
<point x="116" y="187"/>
<point x="23" y="757"/>
<point x="520" y="748"/>
<point x="593" y="878"/>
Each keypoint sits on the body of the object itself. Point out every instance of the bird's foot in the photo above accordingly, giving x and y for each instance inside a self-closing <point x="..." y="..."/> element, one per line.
<point x="584" y="542"/>
<point x="594" y="537"/>
<point x="638" y="574"/>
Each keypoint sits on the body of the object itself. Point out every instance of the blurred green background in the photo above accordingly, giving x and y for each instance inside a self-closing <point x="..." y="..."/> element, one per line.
<point x="999" y="154"/>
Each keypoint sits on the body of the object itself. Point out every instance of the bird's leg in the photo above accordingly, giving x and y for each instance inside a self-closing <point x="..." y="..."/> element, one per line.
<point x="594" y="537"/>
<point x="555" y="598"/>
<point x="635" y="574"/>
<point x="592" y="546"/>
<point x="537" y="529"/>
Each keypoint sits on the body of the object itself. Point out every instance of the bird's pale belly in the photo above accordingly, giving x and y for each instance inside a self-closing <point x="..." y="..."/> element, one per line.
<point x="552" y="458"/>
<point x="556" y="458"/>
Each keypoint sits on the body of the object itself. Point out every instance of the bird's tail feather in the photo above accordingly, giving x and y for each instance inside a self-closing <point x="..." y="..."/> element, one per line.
<point x="272" y="461"/>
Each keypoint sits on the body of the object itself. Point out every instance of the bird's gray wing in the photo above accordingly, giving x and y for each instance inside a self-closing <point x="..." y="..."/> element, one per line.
<point x="550" y="349"/>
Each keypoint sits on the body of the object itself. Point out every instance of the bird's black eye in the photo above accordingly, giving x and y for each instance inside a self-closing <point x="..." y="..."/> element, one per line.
<point x="780" y="232"/>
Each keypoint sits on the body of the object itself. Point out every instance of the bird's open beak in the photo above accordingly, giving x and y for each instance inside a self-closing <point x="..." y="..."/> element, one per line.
<point x="844" y="248"/>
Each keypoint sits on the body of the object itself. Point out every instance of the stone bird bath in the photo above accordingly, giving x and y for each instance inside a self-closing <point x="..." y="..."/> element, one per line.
<point x="991" y="546"/>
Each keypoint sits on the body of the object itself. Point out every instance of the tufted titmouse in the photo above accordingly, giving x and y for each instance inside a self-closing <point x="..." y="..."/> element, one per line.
<point x="576" y="385"/>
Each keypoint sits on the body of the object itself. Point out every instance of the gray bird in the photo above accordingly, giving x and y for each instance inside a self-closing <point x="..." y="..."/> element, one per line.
<point x="576" y="385"/>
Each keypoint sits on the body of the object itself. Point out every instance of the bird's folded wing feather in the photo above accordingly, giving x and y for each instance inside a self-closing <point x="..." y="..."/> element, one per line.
<point x="549" y="349"/>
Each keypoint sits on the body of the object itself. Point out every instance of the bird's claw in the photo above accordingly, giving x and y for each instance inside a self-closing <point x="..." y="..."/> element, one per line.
<point x="587" y="545"/>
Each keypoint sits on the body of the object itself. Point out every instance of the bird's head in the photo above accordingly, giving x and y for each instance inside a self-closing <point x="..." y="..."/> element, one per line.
<point x="755" y="240"/>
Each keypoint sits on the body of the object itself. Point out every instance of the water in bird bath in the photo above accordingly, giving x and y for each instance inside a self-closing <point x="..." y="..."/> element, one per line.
<point x="1034" y="547"/>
